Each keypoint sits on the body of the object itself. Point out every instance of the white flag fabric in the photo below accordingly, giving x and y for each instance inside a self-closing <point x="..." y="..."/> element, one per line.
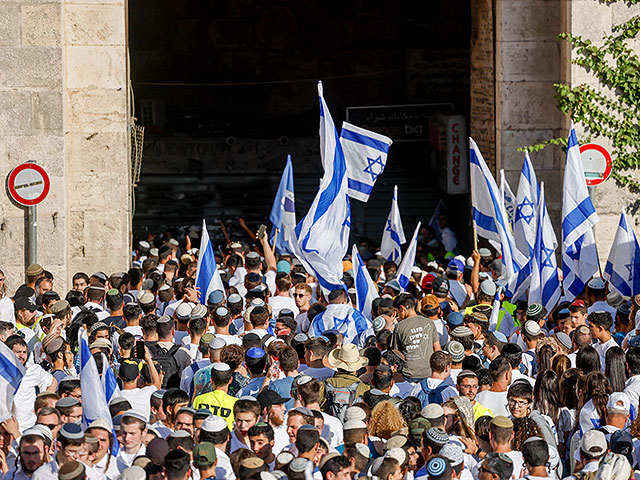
<point x="545" y="283"/>
<point x="623" y="265"/>
<point x="508" y="198"/>
<point x="524" y="228"/>
<point x="393" y="234"/>
<point x="366" y="155"/>
<point x="320" y="240"/>
<point x="94" y="402"/>
<point x="207" y="275"/>
<point x="409" y="260"/>
<point x="352" y="324"/>
<point x="579" y="254"/>
<point x="11" y="373"/>
<point x="490" y="216"/>
<point x="366" y="289"/>
<point x="283" y="211"/>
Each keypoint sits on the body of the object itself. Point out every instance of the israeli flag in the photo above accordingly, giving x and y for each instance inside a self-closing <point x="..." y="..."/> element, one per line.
<point x="111" y="391"/>
<point x="352" y="324"/>
<point x="508" y="198"/>
<point x="11" y="373"/>
<point x="283" y="212"/>
<point x="579" y="254"/>
<point x="207" y="274"/>
<point x="623" y="265"/>
<point x="524" y="228"/>
<point x="490" y="217"/>
<point x="94" y="400"/>
<point x="409" y="260"/>
<point x="366" y="155"/>
<point x="545" y="283"/>
<point x="495" y="309"/>
<point x="393" y="235"/>
<point x="320" y="240"/>
<point x="433" y="221"/>
<point x="366" y="290"/>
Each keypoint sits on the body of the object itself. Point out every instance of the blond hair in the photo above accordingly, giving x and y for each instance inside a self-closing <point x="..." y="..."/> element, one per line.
<point x="385" y="420"/>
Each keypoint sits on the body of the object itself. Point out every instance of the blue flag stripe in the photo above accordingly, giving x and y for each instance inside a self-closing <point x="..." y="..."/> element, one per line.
<point x="359" y="186"/>
<point x="10" y="372"/>
<point x="578" y="215"/>
<point x="364" y="140"/>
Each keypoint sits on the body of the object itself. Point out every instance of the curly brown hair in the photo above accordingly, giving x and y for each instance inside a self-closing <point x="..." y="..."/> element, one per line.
<point x="233" y="355"/>
<point x="524" y="428"/>
<point x="385" y="420"/>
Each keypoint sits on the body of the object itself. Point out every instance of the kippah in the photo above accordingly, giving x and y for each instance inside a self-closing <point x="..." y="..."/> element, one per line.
<point x="234" y="298"/>
<point x="179" y="433"/>
<point x="436" y="466"/>
<point x="284" y="457"/>
<point x="303" y="379"/>
<point x="505" y="458"/>
<point x="252" y="462"/>
<point x="113" y="291"/>
<point x="158" y="393"/>
<point x="298" y="465"/>
<point x="255" y="352"/>
<point x="300" y="337"/>
<point x="307" y="427"/>
<point x="222" y="311"/>
<point x="72" y="431"/>
<point x="88" y="438"/>
<point x="438" y="436"/>
<point x="71" y="470"/>
<point x="378" y="323"/>
<point x="164" y="319"/>
<point x="134" y="414"/>
<point x="221" y="367"/>
<point x="303" y="410"/>
<point x="502" y="421"/>
<point x="534" y="309"/>
<point x="66" y="402"/>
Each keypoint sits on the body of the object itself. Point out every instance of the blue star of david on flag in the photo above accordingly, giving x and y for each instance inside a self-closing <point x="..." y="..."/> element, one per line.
<point x="547" y="255"/>
<point x="525" y="211"/>
<point x="371" y="164"/>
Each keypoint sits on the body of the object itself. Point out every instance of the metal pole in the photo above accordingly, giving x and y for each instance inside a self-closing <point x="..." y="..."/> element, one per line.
<point x="592" y="195"/>
<point x="32" y="216"/>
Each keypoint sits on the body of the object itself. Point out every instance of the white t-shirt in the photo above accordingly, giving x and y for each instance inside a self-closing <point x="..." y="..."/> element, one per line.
<point x="589" y="418"/>
<point x="125" y="460"/>
<point x="280" y="437"/>
<point x="457" y="292"/>
<point x="401" y="389"/>
<point x="179" y="336"/>
<point x="223" y="466"/>
<point x="7" y="313"/>
<point x="135" y="330"/>
<point x="494" y="401"/>
<point x="281" y="303"/>
<point x="332" y="430"/>
<point x="632" y="388"/>
<point x="25" y="397"/>
<point x="602" y="348"/>
<point x="140" y="399"/>
<point x="230" y="339"/>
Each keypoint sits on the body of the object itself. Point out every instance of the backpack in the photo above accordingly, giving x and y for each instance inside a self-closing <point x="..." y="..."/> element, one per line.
<point x="168" y="363"/>
<point x="338" y="399"/>
<point x="431" y="395"/>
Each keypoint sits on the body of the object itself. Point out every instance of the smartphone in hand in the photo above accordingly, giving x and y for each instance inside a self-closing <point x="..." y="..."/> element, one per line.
<point x="140" y="349"/>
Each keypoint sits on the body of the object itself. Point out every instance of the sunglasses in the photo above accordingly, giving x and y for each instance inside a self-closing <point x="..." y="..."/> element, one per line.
<point x="299" y="295"/>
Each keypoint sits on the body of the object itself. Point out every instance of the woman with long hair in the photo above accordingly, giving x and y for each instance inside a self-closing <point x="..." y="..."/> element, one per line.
<point x="588" y="360"/>
<point x="545" y="355"/>
<point x="560" y="364"/>
<point x="385" y="420"/>
<point x="546" y="395"/>
<point x="594" y="393"/>
<point x="569" y="401"/>
<point x="458" y="414"/>
<point x="615" y="368"/>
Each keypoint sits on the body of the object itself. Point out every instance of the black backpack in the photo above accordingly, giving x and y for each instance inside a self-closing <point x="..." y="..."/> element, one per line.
<point x="340" y="398"/>
<point x="168" y="363"/>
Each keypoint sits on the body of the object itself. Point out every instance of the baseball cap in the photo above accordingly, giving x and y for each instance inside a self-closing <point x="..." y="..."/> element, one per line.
<point x="129" y="370"/>
<point x="594" y="442"/>
<point x="204" y="454"/>
<point x="429" y="302"/>
<point x="22" y="303"/>
<point x="621" y="442"/>
<point x="456" y="266"/>
<point x="620" y="402"/>
<point x="441" y="286"/>
<point x="267" y="397"/>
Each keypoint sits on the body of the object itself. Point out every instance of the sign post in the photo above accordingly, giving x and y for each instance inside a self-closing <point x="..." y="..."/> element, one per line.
<point x="28" y="184"/>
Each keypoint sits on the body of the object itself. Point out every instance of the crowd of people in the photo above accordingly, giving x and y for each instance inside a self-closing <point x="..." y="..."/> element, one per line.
<point x="450" y="380"/>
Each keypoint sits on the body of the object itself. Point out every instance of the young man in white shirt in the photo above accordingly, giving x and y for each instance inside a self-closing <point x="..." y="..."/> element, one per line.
<point x="282" y="299"/>
<point x="215" y="430"/>
<point x="133" y="428"/>
<point x="592" y="448"/>
<point x="632" y="385"/>
<point x="138" y="398"/>
<point x="315" y="349"/>
<point x="105" y="463"/>
<point x="495" y="399"/>
<point x="535" y="452"/>
<point x="600" y="327"/>
<point x="597" y="297"/>
<point x="221" y="321"/>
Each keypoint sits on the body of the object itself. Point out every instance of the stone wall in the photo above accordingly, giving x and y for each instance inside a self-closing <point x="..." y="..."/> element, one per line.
<point x="63" y="104"/>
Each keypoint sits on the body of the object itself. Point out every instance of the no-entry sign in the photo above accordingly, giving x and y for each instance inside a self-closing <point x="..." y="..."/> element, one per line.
<point x="28" y="184"/>
<point x="596" y="162"/>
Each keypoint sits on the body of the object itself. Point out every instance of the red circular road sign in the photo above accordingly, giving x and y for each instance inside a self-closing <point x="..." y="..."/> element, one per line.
<point x="596" y="162"/>
<point x="28" y="184"/>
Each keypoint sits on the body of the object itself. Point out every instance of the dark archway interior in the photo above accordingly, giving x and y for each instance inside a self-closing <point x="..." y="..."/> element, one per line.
<point x="227" y="88"/>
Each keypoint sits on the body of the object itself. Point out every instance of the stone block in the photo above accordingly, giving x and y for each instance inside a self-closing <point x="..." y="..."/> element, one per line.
<point x="96" y="110"/>
<point x="47" y="112"/>
<point x="15" y="112"/>
<point x="530" y="20"/>
<point x="552" y="187"/>
<point x="32" y="67"/>
<point x="41" y="25"/>
<point x="590" y="19"/>
<point x="512" y="140"/>
<point x="95" y="67"/>
<point x="46" y="150"/>
<point x="94" y="24"/>
<point x="622" y="12"/>
<point x="9" y="24"/>
<point x="528" y="105"/>
<point x="530" y="61"/>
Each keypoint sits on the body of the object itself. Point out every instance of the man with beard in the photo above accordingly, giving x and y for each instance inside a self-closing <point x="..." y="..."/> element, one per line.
<point x="261" y="441"/>
<point x="272" y="412"/>
<point x="31" y="456"/>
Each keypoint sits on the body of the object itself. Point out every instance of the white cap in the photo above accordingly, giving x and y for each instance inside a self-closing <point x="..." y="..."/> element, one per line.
<point x="183" y="312"/>
<point x="352" y="413"/>
<point x="214" y="424"/>
<point x="620" y="402"/>
<point x="354" y="424"/>
<point x="397" y="453"/>
<point x="532" y="328"/>
<point x="221" y="367"/>
<point x="594" y="442"/>
<point x="217" y="343"/>
<point x="596" y="284"/>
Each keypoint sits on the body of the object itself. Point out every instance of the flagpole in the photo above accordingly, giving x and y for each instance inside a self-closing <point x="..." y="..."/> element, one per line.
<point x="473" y="222"/>
<point x="275" y="239"/>
<point x="592" y="191"/>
